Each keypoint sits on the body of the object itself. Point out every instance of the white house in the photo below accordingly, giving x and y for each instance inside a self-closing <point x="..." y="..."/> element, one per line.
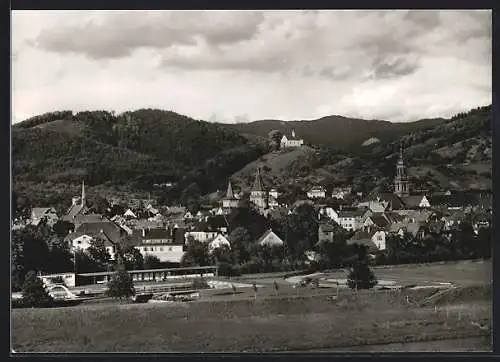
<point x="188" y="215"/>
<point x="341" y="193"/>
<point x="217" y="242"/>
<point x="291" y="142"/>
<point x="351" y="219"/>
<point x="203" y="236"/>
<point x="317" y="192"/>
<point x="40" y="213"/>
<point x="83" y="242"/>
<point x="269" y="238"/>
<point x="374" y="240"/>
<point x="330" y="213"/>
<point x="163" y="243"/>
<point x="130" y="214"/>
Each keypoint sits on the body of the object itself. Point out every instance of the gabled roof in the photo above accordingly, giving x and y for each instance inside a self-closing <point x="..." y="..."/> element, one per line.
<point x="412" y="201"/>
<point x="363" y="238"/>
<point x="269" y="233"/>
<point x="39" y="212"/>
<point x="110" y="230"/>
<point x="351" y="213"/>
<point x="380" y="220"/>
<point x="395" y="202"/>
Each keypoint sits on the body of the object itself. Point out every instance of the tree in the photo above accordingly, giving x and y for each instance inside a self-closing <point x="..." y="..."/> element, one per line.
<point x="62" y="228"/>
<point x="240" y="243"/>
<point x="301" y="231"/>
<point x="98" y="253"/>
<point x="361" y="276"/>
<point x="275" y="137"/>
<point x="132" y="258"/>
<point x="99" y="205"/>
<point x="121" y="285"/>
<point x="151" y="261"/>
<point x="34" y="293"/>
<point x="196" y="254"/>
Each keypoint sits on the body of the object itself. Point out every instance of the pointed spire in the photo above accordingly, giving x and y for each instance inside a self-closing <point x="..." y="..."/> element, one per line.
<point x="293" y="133"/>
<point x="83" y="192"/>
<point x="257" y="185"/>
<point x="401" y="152"/>
<point x="229" y="193"/>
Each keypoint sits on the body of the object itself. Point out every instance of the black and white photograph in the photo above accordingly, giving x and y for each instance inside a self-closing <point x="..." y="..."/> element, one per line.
<point x="251" y="181"/>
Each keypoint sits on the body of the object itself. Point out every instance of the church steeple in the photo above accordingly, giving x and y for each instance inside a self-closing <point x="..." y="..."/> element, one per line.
<point x="83" y="193"/>
<point x="401" y="179"/>
<point x="257" y="184"/>
<point x="229" y="193"/>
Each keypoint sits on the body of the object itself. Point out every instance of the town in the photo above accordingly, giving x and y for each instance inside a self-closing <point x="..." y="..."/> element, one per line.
<point x="317" y="231"/>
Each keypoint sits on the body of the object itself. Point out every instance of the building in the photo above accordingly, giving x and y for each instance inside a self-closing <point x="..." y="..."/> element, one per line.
<point x="258" y="195"/>
<point x="351" y="220"/>
<point x="219" y="241"/>
<point x="269" y="238"/>
<point x="48" y="214"/>
<point x="78" y="207"/>
<point x="374" y="240"/>
<point x="401" y="185"/>
<point x="327" y="230"/>
<point x="167" y="244"/>
<point x="341" y="192"/>
<point x="110" y="233"/>
<point x="414" y="202"/>
<point x="230" y="201"/>
<point x="273" y="199"/>
<point x="293" y="141"/>
<point x="317" y="192"/>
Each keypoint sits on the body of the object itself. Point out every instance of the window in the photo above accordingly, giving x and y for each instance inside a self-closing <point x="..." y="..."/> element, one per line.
<point x="170" y="249"/>
<point x="161" y="249"/>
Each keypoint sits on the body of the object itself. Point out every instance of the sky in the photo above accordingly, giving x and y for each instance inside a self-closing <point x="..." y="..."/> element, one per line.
<point x="240" y="66"/>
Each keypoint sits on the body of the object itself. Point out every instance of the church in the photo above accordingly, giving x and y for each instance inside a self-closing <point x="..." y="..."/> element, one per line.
<point x="293" y="141"/>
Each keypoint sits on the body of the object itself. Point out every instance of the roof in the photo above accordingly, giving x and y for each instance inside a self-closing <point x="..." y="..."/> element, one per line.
<point x="411" y="228"/>
<point x="91" y="218"/>
<point x="176" y="209"/>
<point x="395" y="202"/>
<point x="412" y="201"/>
<point x="329" y="226"/>
<point x="114" y="232"/>
<point x="229" y="193"/>
<point x="257" y="184"/>
<point x="157" y="233"/>
<point x="351" y="213"/>
<point x="453" y="200"/>
<point x="379" y="220"/>
<point x="74" y="210"/>
<point x="265" y="235"/>
<point x="363" y="238"/>
<point x="38" y="212"/>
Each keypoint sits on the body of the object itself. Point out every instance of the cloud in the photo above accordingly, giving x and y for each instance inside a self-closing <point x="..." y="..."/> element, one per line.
<point x="395" y="65"/>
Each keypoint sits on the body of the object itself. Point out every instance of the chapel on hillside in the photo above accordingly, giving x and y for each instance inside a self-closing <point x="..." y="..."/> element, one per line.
<point x="293" y="141"/>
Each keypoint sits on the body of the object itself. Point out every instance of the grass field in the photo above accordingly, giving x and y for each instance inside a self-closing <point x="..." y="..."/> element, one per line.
<point x="294" y="320"/>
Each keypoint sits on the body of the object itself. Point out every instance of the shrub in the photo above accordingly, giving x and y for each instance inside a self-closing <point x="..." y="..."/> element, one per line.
<point x="361" y="276"/>
<point x="120" y="285"/>
<point x="34" y="293"/>
<point x="200" y="283"/>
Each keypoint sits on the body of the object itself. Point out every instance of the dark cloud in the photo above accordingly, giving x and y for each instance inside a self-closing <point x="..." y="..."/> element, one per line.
<point x="391" y="67"/>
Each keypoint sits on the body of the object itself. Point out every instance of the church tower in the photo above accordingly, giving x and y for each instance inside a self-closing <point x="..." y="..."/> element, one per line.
<point x="401" y="180"/>
<point x="230" y="201"/>
<point x="83" y="193"/>
<point x="258" y="194"/>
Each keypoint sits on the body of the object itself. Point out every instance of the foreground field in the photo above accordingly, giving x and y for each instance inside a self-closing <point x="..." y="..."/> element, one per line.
<point x="279" y="323"/>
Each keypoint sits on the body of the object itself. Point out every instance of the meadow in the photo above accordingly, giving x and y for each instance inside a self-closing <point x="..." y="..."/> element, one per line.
<point x="265" y="324"/>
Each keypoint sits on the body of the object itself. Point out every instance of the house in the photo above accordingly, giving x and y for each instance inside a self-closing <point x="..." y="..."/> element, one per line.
<point x="293" y="141"/>
<point x="341" y="192"/>
<point x="167" y="244"/>
<point x="376" y="221"/>
<point x="414" y="202"/>
<point x="78" y="207"/>
<point x="375" y="206"/>
<point x="130" y="214"/>
<point x="394" y="202"/>
<point x="269" y="238"/>
<point x="274" y="193"/>
<point x="188" y="215"/>
<point x="111" y="233"/>
<point x="201" y="232"/>
<point x="351" y="219"/>
<point x="330" y="213"/>
<point x="48" y="214"/>
<point x="317" y="192"/>
<point x="374" y="240"/>
<point x="217" y="242"/>
<point x="327" y="231"/>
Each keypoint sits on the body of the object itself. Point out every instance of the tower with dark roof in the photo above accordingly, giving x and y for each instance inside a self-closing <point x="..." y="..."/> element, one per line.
<point x="230" y="201"/>
<point x="258" y="194"/>
<point x="401" y="180"/>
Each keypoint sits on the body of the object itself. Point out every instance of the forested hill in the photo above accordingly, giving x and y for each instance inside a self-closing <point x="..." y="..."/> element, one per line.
<point x="336" y="131"/>
<point x="133" y="150"/>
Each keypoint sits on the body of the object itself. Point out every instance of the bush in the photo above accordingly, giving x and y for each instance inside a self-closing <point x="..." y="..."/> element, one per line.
<point x="228" y="270"/>
<point x="361" y="276"/>
<point x="34" y="293"/>
<point x="121" y="285"/>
